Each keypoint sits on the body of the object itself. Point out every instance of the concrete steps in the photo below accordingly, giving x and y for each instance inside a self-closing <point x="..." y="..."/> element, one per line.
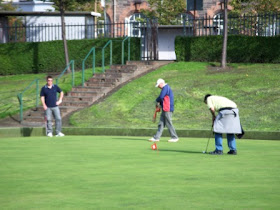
<point x="96" y="87"/>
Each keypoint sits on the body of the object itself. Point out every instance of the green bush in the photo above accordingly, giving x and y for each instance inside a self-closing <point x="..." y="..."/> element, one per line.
<point x="41" y="57"/>
<point x="240" y="49"/>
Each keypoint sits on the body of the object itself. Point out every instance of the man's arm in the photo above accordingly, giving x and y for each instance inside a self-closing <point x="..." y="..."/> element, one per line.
<point x="43" y="102"/>
<point x="212" y="110"/>
<point x="162" y="95"/>
<point x="60" y="98"/>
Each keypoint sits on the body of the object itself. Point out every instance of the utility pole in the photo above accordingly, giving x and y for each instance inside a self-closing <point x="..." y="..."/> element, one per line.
<point x="225" y="35"/>
<point x="194" y="9"/>
<point x="62" y="13"/>
<point x="95" y="19"/>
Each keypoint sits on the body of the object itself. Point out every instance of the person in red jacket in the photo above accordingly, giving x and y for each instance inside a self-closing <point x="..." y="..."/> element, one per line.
<point x="166" y="101"/>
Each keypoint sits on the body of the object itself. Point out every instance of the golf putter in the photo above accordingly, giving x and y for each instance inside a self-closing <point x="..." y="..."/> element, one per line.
<point x="208" y="141"/>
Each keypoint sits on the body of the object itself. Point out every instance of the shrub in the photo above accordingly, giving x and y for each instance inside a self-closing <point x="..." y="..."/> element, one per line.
<point x="41" y="57"/>
<point x="240" y="49"/>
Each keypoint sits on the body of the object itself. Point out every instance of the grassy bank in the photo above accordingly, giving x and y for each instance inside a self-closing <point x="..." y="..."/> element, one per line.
<point x="254" y="87"/>
<point x="10" y="86"/>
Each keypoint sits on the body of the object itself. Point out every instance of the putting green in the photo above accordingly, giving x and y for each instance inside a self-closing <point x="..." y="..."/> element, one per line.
<point x="116" y="172"/>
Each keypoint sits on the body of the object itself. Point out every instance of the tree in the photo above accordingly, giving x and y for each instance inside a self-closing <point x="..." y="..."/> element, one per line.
<point x="225" y="36"/>
<point x="7" y="6"/>
<point x="163" y="12"/>
<point x="68" y="5"/>
<point x="166" y="11"/>
<point x="77" y="5"/>
<point x="255" y="6"/>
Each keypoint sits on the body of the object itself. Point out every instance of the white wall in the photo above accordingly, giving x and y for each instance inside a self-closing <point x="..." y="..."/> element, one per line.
<point x="75" y="28"/>
<point x="166" y="43"/>
<point x="34" y="6"/>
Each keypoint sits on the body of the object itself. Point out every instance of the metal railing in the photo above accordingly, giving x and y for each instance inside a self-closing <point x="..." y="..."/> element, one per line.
<point x="36" y="81"/>
<point x="103" y="54"/>
<point x="92" y="50"/>
<point x="128" y="49"/>
<point x="72" y="71"/>
<point x="20" y="32"/>
<point x="20" y="97"/>
<point x="249" y="25"/>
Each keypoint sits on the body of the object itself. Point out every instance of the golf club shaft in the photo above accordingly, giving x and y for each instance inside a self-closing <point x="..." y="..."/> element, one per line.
<point x="208" y="140"/>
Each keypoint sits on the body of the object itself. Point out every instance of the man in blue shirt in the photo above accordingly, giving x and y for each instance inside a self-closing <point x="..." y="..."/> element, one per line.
<point x="50" y="105"/>
<point x="166" y="101"/>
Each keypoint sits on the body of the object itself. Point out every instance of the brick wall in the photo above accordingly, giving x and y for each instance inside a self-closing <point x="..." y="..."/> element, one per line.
<point x="126" y="8"/>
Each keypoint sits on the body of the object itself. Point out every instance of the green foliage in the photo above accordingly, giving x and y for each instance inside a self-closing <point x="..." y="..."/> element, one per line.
<point x="165" y="10"/>
<point x="76" y="5"/>
<point x="254" y="6"/>
<point x="41" y="57"/>
<point x="254" y="87"/>
<point x="7" y="6"/>
<point x="246" y="49"/>
<point x="120" y="172"/>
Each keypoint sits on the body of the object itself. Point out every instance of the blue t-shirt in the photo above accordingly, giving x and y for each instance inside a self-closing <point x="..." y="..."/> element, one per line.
<point x="50" y="95"/>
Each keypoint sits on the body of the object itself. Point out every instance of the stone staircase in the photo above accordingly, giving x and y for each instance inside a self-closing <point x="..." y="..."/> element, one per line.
<point x="97" y="87"/>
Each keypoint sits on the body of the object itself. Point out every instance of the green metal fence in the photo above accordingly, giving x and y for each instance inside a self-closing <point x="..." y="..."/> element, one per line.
<point x="20" y="97"/>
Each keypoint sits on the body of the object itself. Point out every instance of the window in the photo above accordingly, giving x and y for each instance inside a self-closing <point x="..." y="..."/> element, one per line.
<point x="134" y="24"/>
<point x="197" y="6"/>
<point x="187" y="17"/>
<point x="218" y="23"/>
<point x="104" y="29"/>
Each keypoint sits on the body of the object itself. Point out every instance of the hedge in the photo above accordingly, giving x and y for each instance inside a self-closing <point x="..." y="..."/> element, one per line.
<point x="40" y="57"/>
<point x="240" y="49"/>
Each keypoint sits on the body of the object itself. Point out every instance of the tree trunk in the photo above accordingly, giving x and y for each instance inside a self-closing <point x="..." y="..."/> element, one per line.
<point x="61" y="8"/>
<point x="225" y="35"/>
<point x="155" y="39"/>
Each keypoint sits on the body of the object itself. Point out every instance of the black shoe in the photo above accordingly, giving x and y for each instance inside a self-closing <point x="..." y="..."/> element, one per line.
<point x="232" y="152"/>
<point x="216" y="152"/>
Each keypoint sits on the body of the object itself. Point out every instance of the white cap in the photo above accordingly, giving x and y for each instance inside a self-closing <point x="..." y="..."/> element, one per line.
<point x="159" y="81"/>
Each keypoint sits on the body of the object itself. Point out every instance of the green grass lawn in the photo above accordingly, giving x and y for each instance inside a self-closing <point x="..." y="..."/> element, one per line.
<point x="254" y="87"/>
<point x="113" y="172"/>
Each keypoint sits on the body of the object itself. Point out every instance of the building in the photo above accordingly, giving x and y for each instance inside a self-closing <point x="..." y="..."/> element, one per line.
<point x="129" y="10"/>
<point x="31" y="5"/>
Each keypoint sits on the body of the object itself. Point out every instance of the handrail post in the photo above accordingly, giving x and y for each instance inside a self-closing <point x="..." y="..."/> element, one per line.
<point x="37" y="93"/>
<point x="103" y="56"/>
<point x="93" y="61"/>
<point x="103" y="60"/>
<point x="111" y="49"/>
<point x="73" y="72"/>
<point x="122" y="52"/>
<point x="20" y="107"/>
<point x="128" y="49"/>
<point x="83" y="73"/>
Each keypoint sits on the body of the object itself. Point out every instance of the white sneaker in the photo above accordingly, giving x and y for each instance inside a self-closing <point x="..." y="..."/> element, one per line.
<point x="173" y="140"/>
<point x="153" y="139"/>
<point x="59" y="134"/>
<point x="49" y="135"/>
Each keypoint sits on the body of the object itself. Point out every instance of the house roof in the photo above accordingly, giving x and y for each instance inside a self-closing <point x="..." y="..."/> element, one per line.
<point x="14" y="13"/>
